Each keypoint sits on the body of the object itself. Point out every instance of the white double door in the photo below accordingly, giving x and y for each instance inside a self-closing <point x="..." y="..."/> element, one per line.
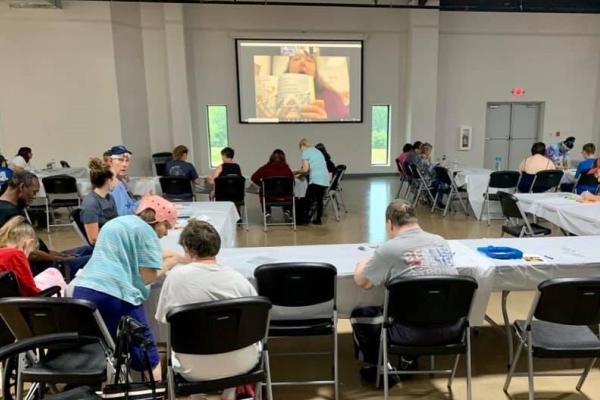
<point x="510" y="131"/>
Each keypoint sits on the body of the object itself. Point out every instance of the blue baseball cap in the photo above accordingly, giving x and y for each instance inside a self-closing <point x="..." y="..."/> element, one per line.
<point x="119" y="150"/>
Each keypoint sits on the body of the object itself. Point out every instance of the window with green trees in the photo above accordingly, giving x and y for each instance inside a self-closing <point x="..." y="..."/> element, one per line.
<point x="380" y="135"/>
<point x="217" y="133"/>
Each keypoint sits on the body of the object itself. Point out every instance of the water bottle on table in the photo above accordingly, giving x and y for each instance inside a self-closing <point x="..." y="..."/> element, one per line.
<point x="498" y="163"/>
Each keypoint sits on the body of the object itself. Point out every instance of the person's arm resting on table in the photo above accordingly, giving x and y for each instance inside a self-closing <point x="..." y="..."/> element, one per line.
<point x="359" y="277"/>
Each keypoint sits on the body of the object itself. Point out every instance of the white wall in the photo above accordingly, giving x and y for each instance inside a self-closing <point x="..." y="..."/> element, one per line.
<point x="211" y="31"/>
<point x="69" y="92"/>
<point x="58" y="88"/>
<point x="483" y="56"/>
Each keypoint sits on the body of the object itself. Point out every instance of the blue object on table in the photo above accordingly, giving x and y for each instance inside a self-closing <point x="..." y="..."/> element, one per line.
<point x="501" y="253"/>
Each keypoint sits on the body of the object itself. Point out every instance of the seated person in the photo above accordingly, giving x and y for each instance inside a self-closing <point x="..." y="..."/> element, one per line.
<point x="21" y="190"/>
<point x="179" y="166"/>
<point x="204" y="279"/>
<point x="98" y="207"/>
<point x="21" y="162"/>
<point x="410" y="251"/>
<point x="589" y="159"/>
<point x="228" y="167"/>
<point x="17" y="241"/>
<point x="532" y="165"/>
<point x="119" y="164"/>
<point x="5" y="172"/>
<point x="401" y="159"/>
<point x="276" y="166"/>
<point x="413" y="155"/>
<point x="330" y="164"/>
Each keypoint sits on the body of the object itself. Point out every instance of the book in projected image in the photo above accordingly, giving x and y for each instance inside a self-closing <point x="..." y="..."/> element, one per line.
<point x="295" y="91"/>
<point x="266" y="96"/>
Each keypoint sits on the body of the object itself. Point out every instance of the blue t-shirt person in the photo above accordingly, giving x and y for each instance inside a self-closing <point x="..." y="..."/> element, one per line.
<point x="124" y="245"/>
<point x="5" y="174"/>
<point x="181" y="168"/>
<point x="582" y="168"/>
<point x="317" y="173"/>
<point x="126" y="205"/>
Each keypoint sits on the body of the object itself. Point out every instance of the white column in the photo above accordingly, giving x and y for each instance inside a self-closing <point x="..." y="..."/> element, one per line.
<point x="421" y="82"/>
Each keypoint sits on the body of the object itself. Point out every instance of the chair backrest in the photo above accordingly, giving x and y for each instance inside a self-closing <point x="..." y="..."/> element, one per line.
<point x="9" y="287"/>
<point x="510" y="205"/>
<point x="546" y="180"/>
<point x="277" y="187"/>
<point x="218" y="326"/>
<point x="60" y="184"/>
<point x="571" y="301"/>
<point x="75" y="218"/>
<point x="525" y="182"/>
<point x="429" y="300"/>
<point x="64" y="164"/>
<point x="296" y="284"/>
<point x="175" y="185"/>
<point x="414" y="171"/>
<point x="34" y="316"/>
<point x="160" y="161"/>
<point x="587" y="180"/>
<point x="407" y="170"/>
<point x="340" y="170"/>
<point x="504" y="179"/>
<point x="230" y="188"/>
<point x="442" y="175"/>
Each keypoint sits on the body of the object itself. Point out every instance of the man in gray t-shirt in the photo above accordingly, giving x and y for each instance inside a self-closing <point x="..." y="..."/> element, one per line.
<point x="410" y="251"/>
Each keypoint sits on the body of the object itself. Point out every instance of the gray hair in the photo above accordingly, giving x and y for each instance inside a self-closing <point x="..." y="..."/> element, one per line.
<point x="400" y="213"/>
<point x="23" y="177"/>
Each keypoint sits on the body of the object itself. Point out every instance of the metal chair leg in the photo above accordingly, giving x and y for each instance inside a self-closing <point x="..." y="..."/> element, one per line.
<point x="584" y="375"/>
<point x="336" y="385"/>
<point x="468" y="362"/>
<point x="386" y="382"/>
<point x="530" y="366"/>
<point x="513" y="366"/>
<point x="268" y="376"/>
<point x="453" y="374"/>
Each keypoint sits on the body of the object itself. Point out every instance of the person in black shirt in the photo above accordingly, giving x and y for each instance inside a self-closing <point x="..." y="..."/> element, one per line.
<point x="330" y="164"/>
<point x="21" y="190"/>
<point x="227" y="168"/>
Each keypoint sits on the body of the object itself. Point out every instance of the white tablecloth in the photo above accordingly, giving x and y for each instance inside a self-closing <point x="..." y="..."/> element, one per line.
<point x="74" y="172"/>
<point x="564" y="211"/>
<point x="140" y="185"/>
<point x="477" y="180"/>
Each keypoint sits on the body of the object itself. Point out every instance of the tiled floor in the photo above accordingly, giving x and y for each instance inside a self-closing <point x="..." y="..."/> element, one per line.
<point x="366" y="200"/>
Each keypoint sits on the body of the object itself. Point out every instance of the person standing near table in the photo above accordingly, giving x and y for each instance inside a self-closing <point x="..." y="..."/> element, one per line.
<point x="315" y="167"/>
<point x="559" y="152"/>
<point x="127" y="259"/>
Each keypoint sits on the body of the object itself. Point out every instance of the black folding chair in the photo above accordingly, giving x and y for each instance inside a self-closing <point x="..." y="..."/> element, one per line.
<point x="311" y="286"/>
<point x="517" y="224"/>
<point x="61" y="192"/>
<point x="333" y="194"/>
<point x="217" y="327"/>
<point x="160" y="161"/>
<point x="588" y="181"/>
<point x="9" y="287"/>
<point x="232" y="188"/>
<point x="558" y="326"/>
<point x="44" y="344"/>
<point x="278" y="191"/>
<point x="505" y="180"/>
<point x="87" y="363"/>
<point x="448" y="186"/>
<point x="427" y="302"/>
<point x="78" y="225"/>
<point x="177" y="188"/>
<point x="546" y="181"/>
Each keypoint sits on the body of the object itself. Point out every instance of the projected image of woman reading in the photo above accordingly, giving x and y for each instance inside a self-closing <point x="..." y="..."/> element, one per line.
<point x="299" y="83"/>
